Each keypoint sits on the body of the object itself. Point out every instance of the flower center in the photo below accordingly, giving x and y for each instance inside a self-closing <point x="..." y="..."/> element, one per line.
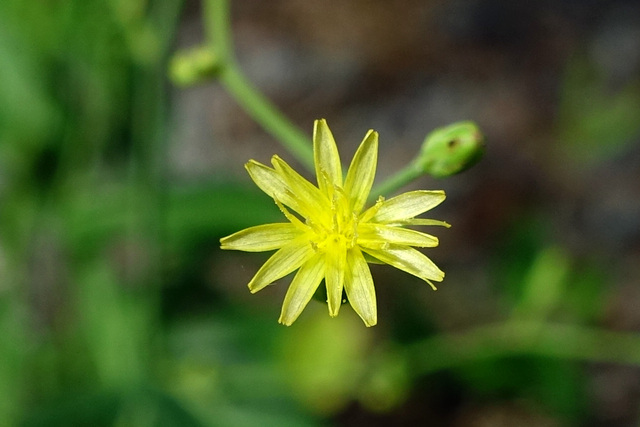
<point x="338" y="227"/>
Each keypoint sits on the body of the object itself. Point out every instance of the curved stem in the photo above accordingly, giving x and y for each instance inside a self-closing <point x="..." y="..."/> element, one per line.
<point x="396" y="181"/>
<point x="217" y="20"/>
<point x="265" y="113"/>
<point x="524" y="337"/>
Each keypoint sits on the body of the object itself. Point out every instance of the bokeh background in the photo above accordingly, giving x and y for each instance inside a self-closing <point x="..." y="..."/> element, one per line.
<point x="117" y="307"/>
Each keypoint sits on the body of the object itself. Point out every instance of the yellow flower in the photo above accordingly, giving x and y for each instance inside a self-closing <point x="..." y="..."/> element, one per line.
<point x="330" y="235"/>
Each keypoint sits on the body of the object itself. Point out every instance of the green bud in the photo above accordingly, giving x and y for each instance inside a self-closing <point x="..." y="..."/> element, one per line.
<point x="194" y="66"/>
<point x="451" y="149"/>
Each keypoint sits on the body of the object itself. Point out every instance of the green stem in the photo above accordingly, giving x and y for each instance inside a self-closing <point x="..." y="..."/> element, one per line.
<point x="265" y="113"/>
<point x="524" y="337"/>
<point x="396" y="181"/>
<point x="217" y="20"/>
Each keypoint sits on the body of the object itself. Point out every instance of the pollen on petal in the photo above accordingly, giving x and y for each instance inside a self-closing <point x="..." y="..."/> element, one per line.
<point x="408" y="205"/>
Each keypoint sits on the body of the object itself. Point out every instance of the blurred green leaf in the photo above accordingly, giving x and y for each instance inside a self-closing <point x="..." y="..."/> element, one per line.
<point x="387" y="382"/>
<point x="13" y="359"/>
<point x="27" y="112"/>
<point x="118" y="326"/>
<point x="556" y="384"/>
<point x="544" y="284"/>
<point x="135" y="408"/>
<point x="596" y="120"/>
<point x="322" y="358"/>
<point x="586" y="291"/>
<point x="225" y="370"/>
<point x="187" y="214"/>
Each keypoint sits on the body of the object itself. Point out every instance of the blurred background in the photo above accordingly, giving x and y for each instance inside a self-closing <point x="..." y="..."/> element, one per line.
<point x="117" y="307"/>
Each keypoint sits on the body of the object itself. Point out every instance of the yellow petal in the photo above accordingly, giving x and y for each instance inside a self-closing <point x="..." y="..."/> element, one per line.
<point x="272" y="183"/>
<point x="424" y="221"/>
<point x="326" y="157"/>
<point x="377" y="235"/>
<point x="291" y="217"/>
<point x="307" y="194"/>
<point x="408" y="259"/>
<point x="302" y="288"/>
<point x="261" y="238"/>
<point x="408" y="205"/>
<point x="334" y="277"/>
<point x="287" y="259"/>
<point x="362" y="171"/>
<point x="358" y="284"/>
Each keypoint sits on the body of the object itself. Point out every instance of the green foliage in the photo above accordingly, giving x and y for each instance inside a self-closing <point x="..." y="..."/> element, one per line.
<point x="116" y="311"/>
<point x="85" y="223"/>
<point x="596" y="119"/>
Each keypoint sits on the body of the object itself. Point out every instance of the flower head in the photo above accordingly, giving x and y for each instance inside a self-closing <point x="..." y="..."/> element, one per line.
<point x="329" y="232"/>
